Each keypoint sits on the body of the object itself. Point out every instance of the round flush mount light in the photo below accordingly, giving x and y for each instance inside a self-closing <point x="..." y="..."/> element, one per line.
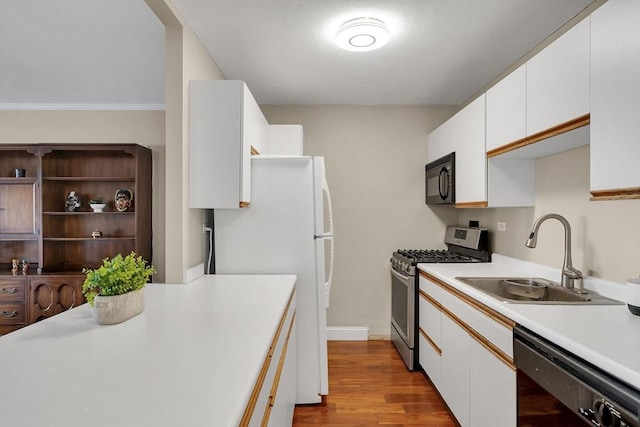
<point x="362" y="34"/>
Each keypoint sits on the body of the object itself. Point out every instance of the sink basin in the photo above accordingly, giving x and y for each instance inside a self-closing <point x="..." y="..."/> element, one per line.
<point x="533" y="290"/>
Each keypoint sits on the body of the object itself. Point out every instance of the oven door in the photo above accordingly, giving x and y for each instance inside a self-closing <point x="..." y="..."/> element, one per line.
<point x="403" y="315"/>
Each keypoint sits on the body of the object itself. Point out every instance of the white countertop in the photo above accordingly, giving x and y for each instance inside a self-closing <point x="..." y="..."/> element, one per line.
<point x="606" y="335"/>
<point x="190" y="359"/>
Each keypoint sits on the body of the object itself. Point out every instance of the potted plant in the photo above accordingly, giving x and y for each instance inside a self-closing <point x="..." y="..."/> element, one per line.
<point x="115" y="289"/>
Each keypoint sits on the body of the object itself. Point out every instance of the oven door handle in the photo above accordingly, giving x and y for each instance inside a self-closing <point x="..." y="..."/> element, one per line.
<point x="405" y="279"/>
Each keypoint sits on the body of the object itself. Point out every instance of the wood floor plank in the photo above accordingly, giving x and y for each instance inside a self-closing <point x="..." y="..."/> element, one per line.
<point x="369" y="385"/>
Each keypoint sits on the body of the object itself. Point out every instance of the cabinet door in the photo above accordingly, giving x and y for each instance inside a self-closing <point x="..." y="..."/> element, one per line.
<point x="615" y="97"/>
<point x="51" y="295"/>
<point x="441" y="141"/>
<point x="492" y="388"/>
<point x="225" y="122"/>
<point x="506" y="109"/>
<point x="455" y="369"/>
<point x="558" y="80"/>
<point x="471" y="160"/>
<point x="430" y="340"/>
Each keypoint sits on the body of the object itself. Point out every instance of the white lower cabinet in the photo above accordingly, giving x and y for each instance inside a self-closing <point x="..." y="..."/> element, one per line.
<point x="429" y="340"/>
<point x="492" y="389"/>
<point x="273" y="398"/>
<point x="455" y="369"/>
<point x="474" y="373"/>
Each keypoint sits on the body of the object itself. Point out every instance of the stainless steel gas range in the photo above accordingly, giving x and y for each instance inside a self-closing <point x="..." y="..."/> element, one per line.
<point x="463" y="245"/>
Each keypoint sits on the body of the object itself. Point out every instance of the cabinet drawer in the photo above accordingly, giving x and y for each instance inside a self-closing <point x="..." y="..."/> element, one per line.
<point x="11" y="314"/>
<point x="11" y="290"/>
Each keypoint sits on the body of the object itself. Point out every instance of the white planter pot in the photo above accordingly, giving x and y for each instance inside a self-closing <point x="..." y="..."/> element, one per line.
<point x="110" y="310"/>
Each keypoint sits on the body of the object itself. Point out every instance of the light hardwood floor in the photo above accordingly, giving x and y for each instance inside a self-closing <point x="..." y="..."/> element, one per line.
<point x="369" y="385"/>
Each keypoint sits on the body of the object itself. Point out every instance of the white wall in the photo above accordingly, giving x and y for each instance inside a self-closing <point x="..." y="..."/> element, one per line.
<point x="375" y="159"/>
<point x="605" y="234"/>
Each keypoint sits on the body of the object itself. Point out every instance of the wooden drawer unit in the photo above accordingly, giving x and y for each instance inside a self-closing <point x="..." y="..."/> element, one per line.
<point x="51" y="295"/>
<point x="13" y="306"/>
<point x="12" y="289"/>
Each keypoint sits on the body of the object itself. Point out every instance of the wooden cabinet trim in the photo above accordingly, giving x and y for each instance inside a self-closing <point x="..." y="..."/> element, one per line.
<point x="616" y="194"/>
<point x="276" y="380"/>
<point x="430" y="341"/>
<point x="567" y="126"/>
<point x="491" y="313"/>
<point x="253" y="399"/>
<point x="492" y="348"/>
<point x="467" y="205"/>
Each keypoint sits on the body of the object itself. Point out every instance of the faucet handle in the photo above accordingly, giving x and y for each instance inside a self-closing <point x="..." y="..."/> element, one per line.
<point x="572" y="273"/>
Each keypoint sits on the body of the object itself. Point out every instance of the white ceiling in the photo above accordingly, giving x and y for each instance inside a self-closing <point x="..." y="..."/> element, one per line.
<point x="101" y="53"/>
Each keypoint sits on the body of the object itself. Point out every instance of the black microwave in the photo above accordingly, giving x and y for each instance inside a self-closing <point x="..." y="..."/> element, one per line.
<point x="440" y="181"/>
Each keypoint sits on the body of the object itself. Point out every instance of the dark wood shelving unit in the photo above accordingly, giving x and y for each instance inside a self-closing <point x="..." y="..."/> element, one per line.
<point x="58" y="244"/>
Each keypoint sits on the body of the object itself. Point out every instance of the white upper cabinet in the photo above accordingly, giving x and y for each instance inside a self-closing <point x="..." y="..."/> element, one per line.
<point x="286" y="140"/>
<point x="464" y="133"/>
<point x="225" y="122"/>
<point x="558" y="81"/>
<point x="615" y="100"/>
<point x="507" y="109"/>
<point x="471" y="161"/>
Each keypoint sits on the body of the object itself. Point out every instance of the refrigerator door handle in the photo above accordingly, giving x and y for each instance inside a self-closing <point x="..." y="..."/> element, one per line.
<point x="329" y="281"/>
<point x="325" y="189"/>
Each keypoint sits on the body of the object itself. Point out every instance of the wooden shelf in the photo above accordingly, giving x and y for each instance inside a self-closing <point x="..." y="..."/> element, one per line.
<point x="22" y="237"/>
<point x="24" y="180"/>
<point x="85" y="239"/>
<point x="87" y="178"/>
<point x="76" y="213"/>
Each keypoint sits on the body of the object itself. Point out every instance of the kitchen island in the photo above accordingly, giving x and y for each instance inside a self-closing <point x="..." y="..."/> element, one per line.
<point x="193" y="357"/>
<point x="607" y="336"/>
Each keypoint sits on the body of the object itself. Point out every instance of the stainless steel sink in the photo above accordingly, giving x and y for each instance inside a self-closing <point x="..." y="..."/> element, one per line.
<point x="533" y="290"/>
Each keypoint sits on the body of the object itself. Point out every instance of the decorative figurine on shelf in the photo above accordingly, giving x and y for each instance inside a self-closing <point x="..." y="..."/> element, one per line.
<point x="73" y="201"/>
<point x="25" y="266"/>
<point x="123" y="199"/>
<point x="14" y="266"/>
<point x="96" y="234"/>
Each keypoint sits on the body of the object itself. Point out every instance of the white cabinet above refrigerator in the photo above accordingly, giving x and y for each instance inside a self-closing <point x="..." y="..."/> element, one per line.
<point x="225" y="123"/>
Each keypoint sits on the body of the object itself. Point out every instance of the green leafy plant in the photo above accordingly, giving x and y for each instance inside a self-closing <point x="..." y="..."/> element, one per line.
<point x="116" y="276"/>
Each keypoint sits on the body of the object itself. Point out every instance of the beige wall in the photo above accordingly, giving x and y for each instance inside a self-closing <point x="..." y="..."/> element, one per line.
<point x="185" y="60"/>
<point x="375" y="159"/>
<point x="605" y="234"/>
<point x="146" y="128"/>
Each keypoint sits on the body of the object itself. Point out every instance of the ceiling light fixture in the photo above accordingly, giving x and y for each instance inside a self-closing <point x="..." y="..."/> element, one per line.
<point x="362" y="34"/>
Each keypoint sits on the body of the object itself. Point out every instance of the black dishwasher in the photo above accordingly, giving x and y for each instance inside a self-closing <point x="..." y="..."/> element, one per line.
<point x="557" y="388"/>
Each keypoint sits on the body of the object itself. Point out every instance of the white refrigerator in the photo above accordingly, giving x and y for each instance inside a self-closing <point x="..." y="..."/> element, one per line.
<point x="288" y="229"/>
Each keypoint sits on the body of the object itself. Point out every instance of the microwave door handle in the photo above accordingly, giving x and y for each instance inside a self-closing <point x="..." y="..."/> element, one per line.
<point x="444" y="183"/>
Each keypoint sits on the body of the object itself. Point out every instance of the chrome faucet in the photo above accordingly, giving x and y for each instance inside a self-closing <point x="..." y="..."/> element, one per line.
<point x="569" y="272"/>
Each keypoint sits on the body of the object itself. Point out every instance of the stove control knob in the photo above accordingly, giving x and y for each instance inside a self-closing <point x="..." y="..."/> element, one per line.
<point x="606" y="414"/>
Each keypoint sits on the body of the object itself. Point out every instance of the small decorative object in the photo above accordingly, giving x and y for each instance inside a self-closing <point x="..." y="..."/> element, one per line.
<point x="97" y="204"/>
<point x="20" y="173"/>
<point x="25" y="266"/>
<point x="73" y="201"/>
<point x="14" y="265"/>
<point x="116" y="289"/>
<point x="123" y="199"/>
<point x="96" y="234"/>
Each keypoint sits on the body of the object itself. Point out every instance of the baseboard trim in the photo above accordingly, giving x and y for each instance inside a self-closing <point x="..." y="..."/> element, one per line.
<point x="347" y="333"/>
